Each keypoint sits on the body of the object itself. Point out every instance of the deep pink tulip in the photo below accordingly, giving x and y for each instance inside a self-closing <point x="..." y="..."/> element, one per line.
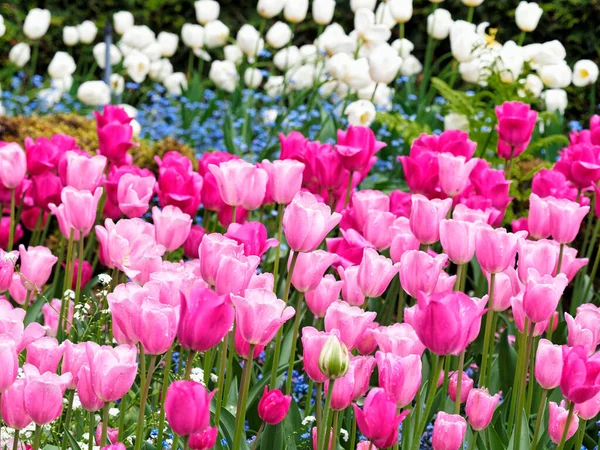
<point x="315" y="437"/>
<point x="9" y="361"/>
<point x="557" y="422"/>
<point x="399" y="376"/>
<point x="205" y="440"/>
<point x="584" y="329"/>
<point x="579" y="163"/>
<point x="284" y="179"/>
<point x="542" y="294"/>
<point x="448" y="431"/>
<point x="114" y="137"/>
<point x="458" y="239"/>
<point x="260" y="314"/>
<point x="81" y="208"/>
<point x="519" y="225"/>
<point x="46" y="189"/>
<point x="565" y="219"/>
<point x="375" y="273"/>
<point x="312" y="344"/>
<point x="134" y="193"/>
<point x="350" y="247"/>
<point x="36" y="266"/>
<point x="240" y="183"/>
<point x="113" y="370"/>
<point x="351" y="291"/>
<point x="496" y="248"/>
<point x="327" y="291"/>
<point x="172" y="226"/>
<point x="205" y="319"/>
<point x="242" y="347"/>
<point x="45" y="354"/>
<point x="187" y="407"/>
<point x="178" y="184"/>
<point x="480" y="408"/>
<point x="421" y="172"/>
<point x="540" y="255"/>
<point x="445" y="322"/>
<point x="293" y="145"/>
<point x="328" y="168"/>
<point x="74" y="357"/>
<point x="13" y="164"/>
<point x="466" y="386"/>
<point x="88" y="398"/>
<point x="253" y="236"/>
<point x="425" y="218"/>
<point x="351" y="321"/>
<point x="112" y="113"/>
<point x="420" y="272"/>
<point x="51" y="311"/>
<point x="454" y="142"/>
<point x="234" y="273"/>
<point x="212" y="248"/>
<point x="368" y="200"/>
<point x="192" y="243"/>
<point x="538" y="222"/>
<point x="356" y="147"/>
<point x="306" y="222"/>
<point x="548" y="364"/>
<point x="43" y="395"/>
<point x="506" y="286"/>
<point x="454" y="173"/>
<point x="13" y="409"/>
<point x="225" y="215"/>
<point x="519" y="316"/>
<point x="589" y="409"/>
<point x="553" y="183"/>
<point x="516" y="122"/>
<point x="580" y="379"/>
<point x="273" y="406"/>
<point x="45" y="154"/>
<point x="399" y="339"/>
<point x="378" y="420"/>
<point x="83" y="172"/>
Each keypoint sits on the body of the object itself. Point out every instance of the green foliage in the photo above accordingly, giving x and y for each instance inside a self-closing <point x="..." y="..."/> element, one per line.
<point x="408" y="129"/>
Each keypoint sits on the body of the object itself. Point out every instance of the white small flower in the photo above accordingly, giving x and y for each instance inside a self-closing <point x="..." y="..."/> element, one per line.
<point x="344" y="434"/>
<point x="11" y="257"/>
<point x="308" y="419"/>
<point x="70" y="294"/>
<point x="104" y="278"/>
<point x="214" y="378"/>
<point x="113" y="412"/>
<point x="360" y="113"/>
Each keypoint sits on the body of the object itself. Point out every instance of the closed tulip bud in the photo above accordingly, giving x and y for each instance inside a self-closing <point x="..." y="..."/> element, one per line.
<point x="10" y="363"/>
<point x="458" y="239"/>
<point x="542" y="295"/>
<point x="204" y="440"/>
<point x="425" y="218"/>
<point x="506" y="286"/>
<point x="45" y="354"/>
<point x="187" y="407"/>
<point x="13" y="409"/>
<point x="36" y="266"/>
<point x="540" y="255"/>
<point x="240" y="183"/>
<point x="270" y="8"/>
<point x="448" y="431"/>
<point x="234" y="274"/>
<point x="327" y="291"/>
<point x="20" y="54"/>
<point x="557" y="422"/>
<point x="496" y="249"/>
<point x="548" y="364"/>
<point x="516" y="122"/>
<point x="70" y="36"/>
<point x="112" y="370"/>
<point x="36" y="23"/>
<point x="351" y="321"/>
<point x="273" y="406"/>
<point x="279" y="35"/>
<point x="43" y="394"/>
<point x="322" y="11"/>
<point x="401" y="10"/>
<point x="528" y="16"/>
<point x="157" y="326"/>
<point x="212" y="248"/>
<point x="439" y="24"/>
<point x="399" y="376"/>
<point x="480" y="408"/>
<point x="295" y="12"/>
<point x="83" y="172"/>
<point x="81" y="207"/>
<point x="207" y="11"/>
<point x="192" y="243"/>
<point x="565" y="219"/>
<point x="379" y="230"/>
<point x="334" y="359"/>
<point x="420" y="272"/>
<point x="538" y="222"/>
<point x="285" y="179"/>
<point x="466" y="386"/>
<point x="88" y="398"/>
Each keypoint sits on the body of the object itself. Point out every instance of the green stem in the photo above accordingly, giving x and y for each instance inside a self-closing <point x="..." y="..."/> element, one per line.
<point x="521" y="342"/>
<point x="474" y="441"/>
<point x="79" y="269"/>
<point x="221" y="377"/>
<point x="67" y="422"/>
<point x="103" y="440"/>
<point x="401" y="300"/>
<point x="470" y="15"/>
<point x="461" y="363"/>
<point x="321" y="440"/>
<point x="563" y="439"/>
<point x="288" y="384"/>
<point x="491" y="349"/>
<point x="91" y="430"/>
<point x="592" y="275"/>
<point x="521" y="38"/>
<point x="319" y="407"/>
<point x="348" y="189"/>
<point x="37" y="437"/>
<point x="11" y="231"/>
<point x="260" y="430"/>
<point x="234" y="214"/>
<point x="143" y="400"/>
<point x="123" y="409"/>
<point x="163" y="394"/>
<point x="280" y="208"/>
<point x="560" y="258"/>
<point x="229" y="369"/>
<point x="580" y="434"/>
<point x="16" y="440"/>
<point x="488" y="332"/>
<point x="241" y="410"/>
<point x="308" y="405"/>
<point x="523" y="382"/>
<point x="336" y="417"/>
<point x="538" y="420"/>
<point x="446" y="380"/>
<point x="188" y="365"/>
<point x="186" y="443"/>
<point x="353" y="432"/>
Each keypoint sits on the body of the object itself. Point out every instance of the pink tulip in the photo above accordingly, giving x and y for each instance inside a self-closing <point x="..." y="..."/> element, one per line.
<point x="420" y="272"/>
<point x="421" y="172"/>
<point x="234" y="274"/>
<point x="516" y="122"/>
<point x="13" y="164"/>
<point x="350" y="247"/>
<point x="580" y="379"/>
<point x="306" y="222"/>
<point x="356" y="147"/>
<point x="240" y="183"/>
<point x="584" y="329"/>
<point x="205" y="319"/>
<point x="542" y="295"/>
<point x="134" y="194"/>
<point x="262" y="281"/>
<point x="242" y="347"/>
<point x="565" y="219"/>
<point x="327" y="291"/>
<point x="113" y="370"/>
<point x="454" y="142"/>
<point x="187" y="407"/>
<point x="253" y="236"/>
<point x="260" y="314"/>
<point x="13" y="330"/>
<point x="204" y="440"/>
<point x="365" y="445"/>
<point x="343" y="390"/>
<point x="446" y="322"/>
<point x="172" y="226"/>
<point x="178" y="184"/>
<point x="212" y="248"/>
<point x="64" y="222"/>
<point x="88" y="398"/>
<point x="496" y="249"/>
<point x="81" y="208"/>
<point x="315" y="437"/>
<point x="368" y="200"/>
<point x="74" y="357"/>
<point x="466" y="386"/>
<point x="570" y="263"/>
<point x="558" y="421"/>
<point x="399" y="339"/>
<point x="448" y="431"/>
<point x="83" y="172"/>
<point x="519" y="316"/>
<point x="538" y="222"/>
<point x="540" y="255"/>
<point x="466" y="214"/>
<point x="13" y="409"/>
<point x="351" y="321"/>
<point x="589" y="409"/>
<point x="43" y="394"/>
<point x="506" y="286"/>
<point x="378" y="229"/>
<point x="36" y="266"/>
<point x="285" y="179"/>
<point x="480" y="408"/>
<point x="403" y="240"/>
<point x="125" y="305"/>
<point x="45" y="354"/>
<point x="9" y="361"/>
<point x="112" y="434"/>
<point x="378" y="420"/>
<point x="454" y="173"/>
<point x="157" y="326"/>
<point x="375" y="273"/>
<point x="458" y="240"/>
<point x="351" y="292"/>
<point x="273" y="406"/>
<point x="362" y="367"/>
<point x="399" y="376"/>
<point x="548" y="364"/>
<point x="312" y="344"/>
<point x="425" y="218"/>
<point x="192" y="243"/>
<point x="7" y="268"/>
<point x="310" y="269"/>
<point x="51" y="310"/>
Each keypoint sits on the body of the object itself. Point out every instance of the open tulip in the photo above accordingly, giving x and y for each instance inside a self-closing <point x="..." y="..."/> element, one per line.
<point x="580" y="379"/>
<point x="399" y="339"/>
<point x="187" y="407"/>
<point x="356" y="147"/>
<point x="45" y="354"/>
<point x="351" y="322"/>
<point x="480" y="408"/>
<point x="584" y="329"/>
<point x="565" y="219"/>
<point x="540" y="255"/>
<point x="253" y="236"/>
<point x="310" y="268"/>
<point x="375" y="273"/>
<point x="542" y="295"/>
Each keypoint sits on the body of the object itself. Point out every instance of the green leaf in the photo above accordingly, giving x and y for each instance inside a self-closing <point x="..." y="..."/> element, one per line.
<point x="71" y="439"/>
<point x="494" y="439"/>
<point x="227" y="425"/>
<point x="328" y="130"/>
<point x="228" y="134"/>
<point x="258" y="387"/>
<point x="293" y="427"/>
<point x="33" y="312"/>
<point x="272" y="437"/>
<point x="508" y="366"/>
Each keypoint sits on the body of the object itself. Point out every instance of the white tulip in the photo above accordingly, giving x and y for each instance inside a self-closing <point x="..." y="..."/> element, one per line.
<point x="322" y="11"/>
<point x="233" y="53"/>
<point x="302" y="77"/>
<point x="117" y="83"/>
<point x="216" y="34"/>
<point x="274" y="86"/>
<point x="224" y="74"/>
<point x="207" y="11"/>
<point x="99" y="52"/>
<point x="137" y="65"/>
<point x="249" y="41"/>
<point x="175" y="83"/>
<point x="472" y="3"/>
<point x="548" y="53"/>
<point x="309" y="53"/>
<point x="192" y="35"/>
<point x="465" y="42"/>
<point x="153" y="51"/>
<point x="585" y="73"/>
<point x="470" y="71"/>
<point x="131" y="111"/>
<point x="527" y="16"/>
<point x="70" y="36"/>
<point x="62" y="84"/>
<point x="2" y="31"/>
<point x="279" y="35"/>
<point x="411" y="66"/>
<point x="403" y="46"/>
<point x="556" y="76"/>
<point x="367" y="29"/>
<point x="382" y="97"/>
<point x="138" y="36"/>
<point x="401" y="10"/>
<point x="334" y="40"/>
<point x="94" y="93"/>
<point x="555" y="100"/>
<point x="455" y="121"/>
<point x="123" y="21"/>
<point x="124" y="48"/>
<point x="49" y="97"/>
<point x="337" y="65"/>
<point x="439" y="24"/>
<point x="384" y="64"/>
<point x="357" y="74"/>
<point x="384" y="17"/>
<point x="295" y="10"/>
<point x="510" y="62"/>
<point x="287" y="57"/>
<point x="270" y="116"/>
<point x="36" y="23"/>
<point x="534" y="85"/>
<point x="360" y="113"/>
<point x="355" y="5"/>
<point x="168" y="43"/>
<point x="161" y="69"/>
<point x="253" y="77"/>
<point x="135" y="128"/>
<point x="87" y="31"/>
<point x="61" y="65"/>
<point x="270" y="8"/>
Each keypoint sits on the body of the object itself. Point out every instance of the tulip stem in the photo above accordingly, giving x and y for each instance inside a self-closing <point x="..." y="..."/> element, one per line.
<point x="16" y="440"/>
<point x="474" y="441"/>
<point x="459" y="272"/>
<point x="349" y="188"/>
<point x="11" y="231"/>
<point x="37" y="437"/>
<point x="371" y="444"/>
<point x="308" y="406"/>
<point x="234" y="214"/>
<point x="470" y="15"/>
<point x="241" y="409"/>
<point x="560" y="258"/>
<point x="580" y="435"/>
<point x="521" y="342"/>
<point x="592" y="274"/>
<point x="104" y="425"/>
<point x="188" y="365"/>
<point x="288" y="383"/>
<point x="186" y="442"/>
<point x="163" y="394"/>
<point x="523" y="381"/>
<point x="229" y="368"/>
<point x="521" y="38"/>
<point x="445" y="381"/>
<point x="280" y="209"/>
<point x="353" y="432"/>
<point x="319" y="408"/>
<point x="79" y="270"/>
<point x="323" y="434"/>
<point x="91" y="427"/>
<point x="67" y="422"/>
<point x="461" y="363"/>
<point x="336" y="418"/>
<point x="122" y="410"/>
<point x="538" y="420"/>
<point x="221" y="377"/>
<point x="143" y="399"/>
<point x="401" y="300"/>
<point x="435" y="375"/>
<point x="563" y="439"/>
<point x="257" y="437"/>
<point x="488" y="333"/>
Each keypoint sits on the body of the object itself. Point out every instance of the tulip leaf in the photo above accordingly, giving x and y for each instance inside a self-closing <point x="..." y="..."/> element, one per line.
<point x="524" y="437"/>
<point x="494" y="440"/>
<point x="272" y="437"/>
<point x="328" y="130"/>
<point x="293" y="428"/>
<point x="508" y="367"/>
<point x="227" y="427"/>
<point x="71" y="439"/>
<point x="34" y="310"/>
<point x="228" y="134"/>
<point x="258" y="387"/>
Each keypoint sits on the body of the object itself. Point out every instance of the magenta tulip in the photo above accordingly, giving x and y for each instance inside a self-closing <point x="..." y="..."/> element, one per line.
<point x="253" y="236"/>
<point x="273" y="406"/>
<point x="356" y="147"/>
<point x="192" y="243"/>
<point x="187" y="407"/>
<point x="205" y="440"/>
<point x="580" y="379"/>
<point x="516" y="122"/>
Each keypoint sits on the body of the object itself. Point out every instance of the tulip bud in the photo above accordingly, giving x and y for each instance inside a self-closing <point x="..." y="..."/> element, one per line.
<point x="273" y="406"/>
<point x="333" y="359"/>
<point x="480" y="408"/>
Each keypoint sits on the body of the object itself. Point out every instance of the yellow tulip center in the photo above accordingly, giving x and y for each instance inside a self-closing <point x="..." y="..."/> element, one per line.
<point x="584" y="73"/>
